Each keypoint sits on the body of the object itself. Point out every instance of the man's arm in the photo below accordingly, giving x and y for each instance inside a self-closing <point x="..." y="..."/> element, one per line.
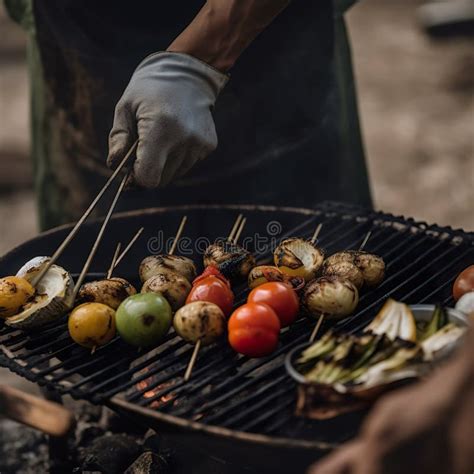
<point x="222" y="29"/>
<point x="169" y="101"/>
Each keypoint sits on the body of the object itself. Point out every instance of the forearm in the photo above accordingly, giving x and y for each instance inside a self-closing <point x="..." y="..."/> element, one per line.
<point x="222" y="29"/>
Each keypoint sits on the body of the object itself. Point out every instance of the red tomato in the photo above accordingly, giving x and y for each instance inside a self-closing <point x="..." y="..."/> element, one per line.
<point x="211" y="270"/>
<point x="254" y="329"/>
<point x="213" y="290"/>
<point x="464" y="282"/>
<point x="280" y="297"/>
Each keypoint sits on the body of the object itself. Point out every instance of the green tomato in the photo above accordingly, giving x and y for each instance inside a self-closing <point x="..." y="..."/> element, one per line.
<point x="144" y="319"/>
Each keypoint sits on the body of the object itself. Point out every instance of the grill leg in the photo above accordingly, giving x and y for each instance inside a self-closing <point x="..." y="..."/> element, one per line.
<point x="59" y="459"/>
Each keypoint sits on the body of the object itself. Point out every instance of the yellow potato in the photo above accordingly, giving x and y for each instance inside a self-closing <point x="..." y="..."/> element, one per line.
<point x="92" y="324"/>
<point x="14" y="293"/>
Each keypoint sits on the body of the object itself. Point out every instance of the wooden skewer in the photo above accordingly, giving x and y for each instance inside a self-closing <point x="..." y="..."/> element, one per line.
<point x="366" y="238"/>
<point x="129" y="246"/>
<point x="321" y="317"/>
<point x="239" y="231"/>
<point x="94" y="248"/>
<point x="234" y="228"/>
<point x="316" y="233"/>
<point x="178" y="235"/>
<point x="192" y="361"/>
<point x="232" y="238"/>
<point x="316" y="328"/>
<point x="79" y="223"/>
<point x="114" y="259"/>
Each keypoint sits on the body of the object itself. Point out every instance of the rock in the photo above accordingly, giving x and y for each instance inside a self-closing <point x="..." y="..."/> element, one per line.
<point x="149" y="463"/>
<point x="22" y="449"/>
<point x="110" y="454"/>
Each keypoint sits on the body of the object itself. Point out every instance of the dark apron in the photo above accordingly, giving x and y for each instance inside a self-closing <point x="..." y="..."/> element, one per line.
<point x="287" y="120"/>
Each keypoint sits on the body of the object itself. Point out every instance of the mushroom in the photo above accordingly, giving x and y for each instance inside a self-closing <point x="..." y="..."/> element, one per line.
<point x="155" y="264"/>
<point x="52" y="299"/>
<point x="332" y="296"/>
<point x="199" y="320"/>
<point x="346" y="270"/>
<point x="370" y="265"/>
<point x="298" y="257"/>
<point x="111" y="291"/>
<point x="173" y="286"/>
<point x="231" y="259"/>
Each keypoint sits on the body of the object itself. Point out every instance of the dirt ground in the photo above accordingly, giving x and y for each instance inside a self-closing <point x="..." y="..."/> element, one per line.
<point x="416" y="100"/>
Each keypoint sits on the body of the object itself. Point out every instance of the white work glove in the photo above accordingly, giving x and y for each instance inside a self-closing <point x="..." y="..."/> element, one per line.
<point x="168" y="106"/>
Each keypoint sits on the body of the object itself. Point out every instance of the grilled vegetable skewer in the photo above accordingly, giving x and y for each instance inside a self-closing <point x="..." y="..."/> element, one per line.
<point x="360" y="267"/>
<point x="299" y="257"/>
<point x="202" y="320"/>
<point x="92" y="324"/>
<point x="199" y="323"/>
<point x="168" y="274"/>
<point x="232" y="260"/>
<point x="336" y="292"/>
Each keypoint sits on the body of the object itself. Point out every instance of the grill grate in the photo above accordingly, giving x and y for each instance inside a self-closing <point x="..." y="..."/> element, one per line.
<point x="229" y="390"/>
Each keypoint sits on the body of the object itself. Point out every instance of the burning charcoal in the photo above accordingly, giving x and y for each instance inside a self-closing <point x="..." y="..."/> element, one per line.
<point x="110" y="454"/>
<point x="149" y="463"/>
<point x="152" y="441"/>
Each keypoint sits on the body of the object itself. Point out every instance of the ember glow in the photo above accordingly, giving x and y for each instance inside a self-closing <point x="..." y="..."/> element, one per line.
<point x="144" y="384"/>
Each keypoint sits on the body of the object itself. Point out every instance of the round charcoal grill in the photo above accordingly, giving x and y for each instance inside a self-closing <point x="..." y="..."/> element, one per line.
<point x="236" y="409"/>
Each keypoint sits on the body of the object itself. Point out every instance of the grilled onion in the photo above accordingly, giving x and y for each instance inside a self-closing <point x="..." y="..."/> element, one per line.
<point x="232" y="260"/>
<point x="173" y="286"/>
<point x="52" y="299"/>
<point x="298" y="257"/>
<point x="155" y="264"/>
<point x="199" y="320"/>
<point x="110" y="292"/>
<point x="333" y="296"/>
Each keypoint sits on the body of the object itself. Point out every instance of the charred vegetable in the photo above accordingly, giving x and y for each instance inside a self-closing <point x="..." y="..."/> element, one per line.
<point x="173" y="286"/>
<point x="232" y="260"/>
<point x="267" y="273"/>
<point x="155" y="264"/>
<point x="395" y="320"/>
<point x="367" y="364"/>
<point x="298" y="257"/>
<point x="333" y="296"/>
<point x="92" y="324"/>
<point x="14" y="293"/>
<point x="144" y="319"/>
<point x="371" y="266"/>
<point x="344" y="270"/>
<point x="200" y="320"/>
<point x="52" y="299"/>
<point x="111" y="291"/>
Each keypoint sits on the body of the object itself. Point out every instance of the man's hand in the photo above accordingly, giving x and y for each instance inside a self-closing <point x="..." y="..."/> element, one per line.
<point x="168" y="102"/>
<point x="168" y="106"/>
<point x="428" y="427"/>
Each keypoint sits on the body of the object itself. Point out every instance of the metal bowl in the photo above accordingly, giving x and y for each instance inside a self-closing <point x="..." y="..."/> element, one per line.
<point x="421" y="312"/>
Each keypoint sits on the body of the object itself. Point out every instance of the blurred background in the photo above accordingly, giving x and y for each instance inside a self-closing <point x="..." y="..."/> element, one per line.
<point x="416" y="99"/>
